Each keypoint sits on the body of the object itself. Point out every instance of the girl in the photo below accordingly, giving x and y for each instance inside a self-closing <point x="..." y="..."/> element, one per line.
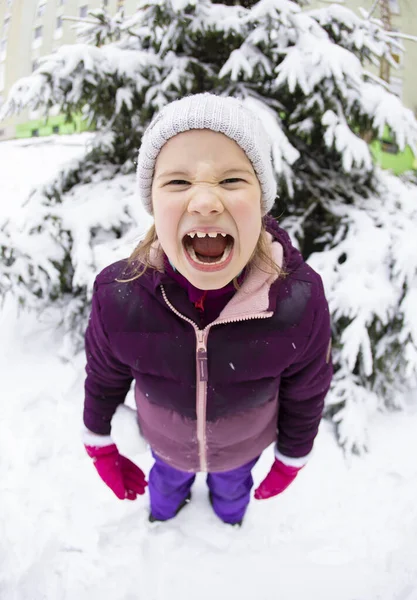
<point x="216" y="317"/>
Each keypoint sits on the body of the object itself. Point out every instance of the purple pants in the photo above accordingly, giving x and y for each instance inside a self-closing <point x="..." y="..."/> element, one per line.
<point x="230" y="490"/>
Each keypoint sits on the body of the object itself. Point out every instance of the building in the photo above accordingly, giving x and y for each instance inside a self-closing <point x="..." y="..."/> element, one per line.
<point x="403" y="19"/>
<point x="30" y="29"/>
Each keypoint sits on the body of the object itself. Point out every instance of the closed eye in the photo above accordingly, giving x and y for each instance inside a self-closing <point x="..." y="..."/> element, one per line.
<point x="184" y="182"/>
<point x="232" y="180"/>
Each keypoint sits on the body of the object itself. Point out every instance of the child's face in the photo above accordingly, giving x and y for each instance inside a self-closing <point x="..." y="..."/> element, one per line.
<point x="204" y="182"/>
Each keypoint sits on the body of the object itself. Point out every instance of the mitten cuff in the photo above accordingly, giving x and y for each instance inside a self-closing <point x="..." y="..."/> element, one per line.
<point x="95" y="440"/>
<point x="292" y="461"/>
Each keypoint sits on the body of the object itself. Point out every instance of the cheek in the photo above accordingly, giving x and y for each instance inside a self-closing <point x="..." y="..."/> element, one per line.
<point x="249" y="219"/>
<point x="167" y="215"/>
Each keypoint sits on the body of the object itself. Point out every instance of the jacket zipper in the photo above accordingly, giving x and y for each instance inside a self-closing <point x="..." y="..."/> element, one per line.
<point x="202" y="373"/>
<point x="201" y="401"/>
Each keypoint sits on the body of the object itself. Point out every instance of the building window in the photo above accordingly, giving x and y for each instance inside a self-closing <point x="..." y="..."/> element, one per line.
<point x="58" y="30"/>
<point x="398" y="58"/>
<point x="394" y="6"/>
<point x="396" y="54"/>
<point x="38" y="32"/>
<point x="105" y="3"/>
<point x="396" y="84"/>
<point x="3" y="49"/>
<point x="6" y="23"/>
<point x="83" y="11"/>
<point x="35" y="132"/>
<point x="41" y="9"/>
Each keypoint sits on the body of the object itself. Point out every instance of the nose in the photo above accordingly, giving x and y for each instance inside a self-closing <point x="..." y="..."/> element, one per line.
<point x="205" y="201"/>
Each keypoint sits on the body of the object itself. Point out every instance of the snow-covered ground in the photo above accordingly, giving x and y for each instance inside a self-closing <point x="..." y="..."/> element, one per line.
<point x="24" y="164"/>
<point x="345" y="530"/>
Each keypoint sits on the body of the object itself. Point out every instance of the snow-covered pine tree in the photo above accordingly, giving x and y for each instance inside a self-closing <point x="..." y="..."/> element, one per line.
<point x="305" y="73"/>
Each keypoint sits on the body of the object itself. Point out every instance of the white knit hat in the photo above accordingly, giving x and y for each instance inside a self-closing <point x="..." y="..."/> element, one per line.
<point x="208" y="111"/>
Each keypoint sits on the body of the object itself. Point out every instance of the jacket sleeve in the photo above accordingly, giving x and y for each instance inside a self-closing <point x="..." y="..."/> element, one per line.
<point x="108" y="380"/>
<point x="304" y="385"/>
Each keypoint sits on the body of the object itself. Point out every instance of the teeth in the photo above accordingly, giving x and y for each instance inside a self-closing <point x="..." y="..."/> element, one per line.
<point x="201" y="234"/>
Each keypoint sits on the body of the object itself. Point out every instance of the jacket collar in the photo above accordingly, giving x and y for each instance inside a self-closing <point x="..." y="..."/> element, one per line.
<point x="259" y="290"/>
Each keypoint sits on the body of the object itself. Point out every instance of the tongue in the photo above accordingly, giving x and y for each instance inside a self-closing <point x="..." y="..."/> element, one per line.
<point x="211" y="247"/>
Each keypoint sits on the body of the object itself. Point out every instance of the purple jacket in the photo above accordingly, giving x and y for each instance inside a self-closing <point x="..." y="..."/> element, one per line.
<point x="212" y="399"/>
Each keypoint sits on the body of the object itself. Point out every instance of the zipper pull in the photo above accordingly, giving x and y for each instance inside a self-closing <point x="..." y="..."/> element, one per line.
<point x="202" y="364"/>
<point x="202" y="357"/>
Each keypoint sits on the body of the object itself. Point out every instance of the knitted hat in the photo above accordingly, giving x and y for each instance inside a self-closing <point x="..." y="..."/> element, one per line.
<point x="208" y="111"/>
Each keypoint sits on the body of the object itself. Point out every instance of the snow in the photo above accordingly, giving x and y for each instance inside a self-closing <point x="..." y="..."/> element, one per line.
<point x="275" y="9"/>
<point x="318" y="54"/>
<point x="123" y="96"/>
<point x="346" y="528"/>
<point x="355" y="152"/>
<point x="219" y="17"/>
<point x="383" y="108"/>
<point x="101" y="230"/>
<point x="41" y="163"/>
<point x="92" y="206"/>
<point x="307" y="64"/>
<point x="365" y="291"/>
<point x="78" y="63"/>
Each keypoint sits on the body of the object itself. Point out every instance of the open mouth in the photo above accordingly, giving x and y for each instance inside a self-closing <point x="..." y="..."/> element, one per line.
<point x="208" y="249"/>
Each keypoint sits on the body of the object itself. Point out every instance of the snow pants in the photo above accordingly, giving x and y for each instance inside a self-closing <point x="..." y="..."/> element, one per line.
<point x="230" y="490"/>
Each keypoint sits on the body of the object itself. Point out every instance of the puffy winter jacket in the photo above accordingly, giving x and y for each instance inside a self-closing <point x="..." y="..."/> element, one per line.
<point x="212" y="399"/>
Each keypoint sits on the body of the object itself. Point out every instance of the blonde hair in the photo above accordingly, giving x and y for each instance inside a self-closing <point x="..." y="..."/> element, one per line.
<point x="140" y="259"/>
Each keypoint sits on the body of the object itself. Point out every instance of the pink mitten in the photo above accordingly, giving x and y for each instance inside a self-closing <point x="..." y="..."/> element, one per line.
<point x="278" y="479"/>
<point x="122" y="476"/>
